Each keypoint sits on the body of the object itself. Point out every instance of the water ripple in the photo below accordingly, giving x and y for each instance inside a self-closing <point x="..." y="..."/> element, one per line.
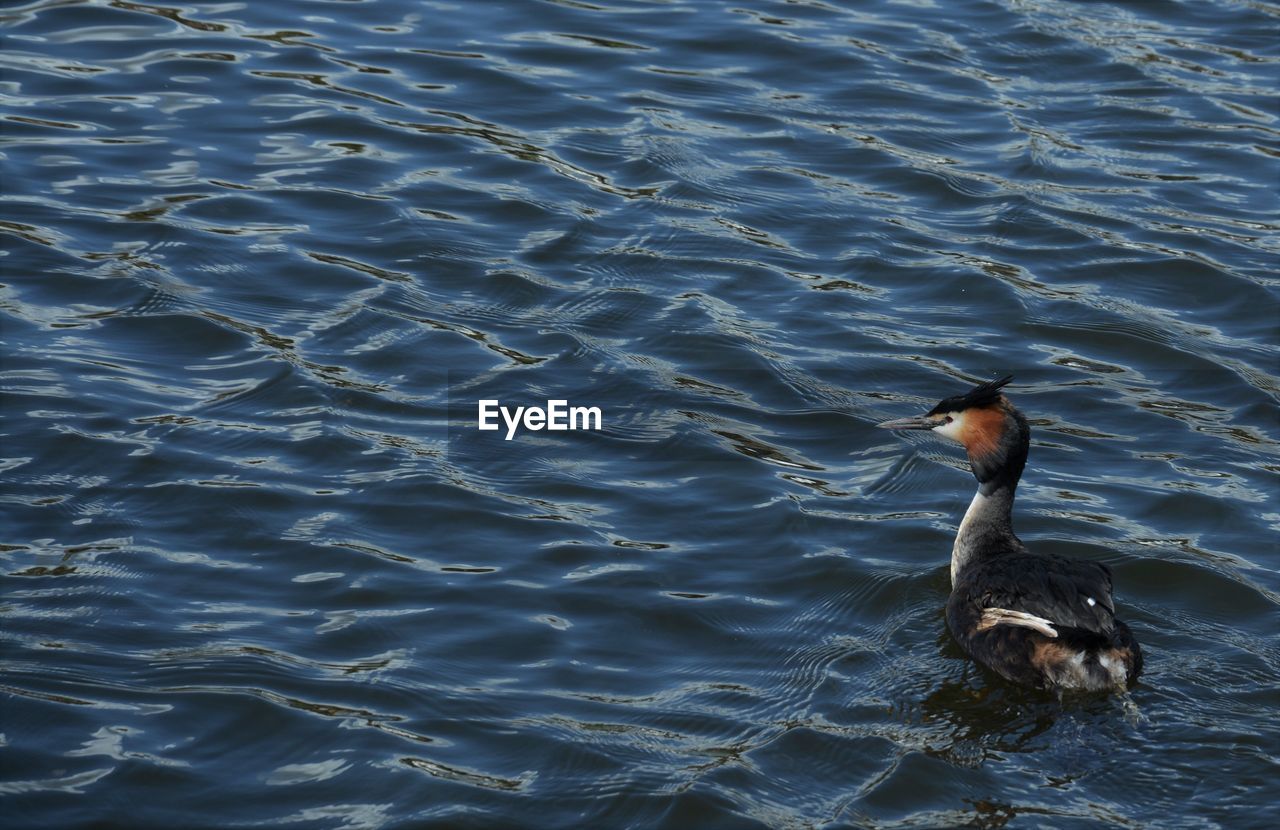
<point x="260" y="261"/>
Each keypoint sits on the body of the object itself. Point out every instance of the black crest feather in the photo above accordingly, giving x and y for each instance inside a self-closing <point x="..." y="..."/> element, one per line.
<point x="984" y="394"/>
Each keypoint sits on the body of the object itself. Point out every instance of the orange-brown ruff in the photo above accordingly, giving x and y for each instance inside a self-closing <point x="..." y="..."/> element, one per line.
<point x="1037" y="619"/>
<point x="982" y="430"/>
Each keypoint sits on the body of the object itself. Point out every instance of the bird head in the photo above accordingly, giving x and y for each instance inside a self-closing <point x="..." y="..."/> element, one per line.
<point x="993" y="433"/>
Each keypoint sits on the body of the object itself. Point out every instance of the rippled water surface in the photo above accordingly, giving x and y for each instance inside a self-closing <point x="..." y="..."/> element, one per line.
<point x="261" y="260"/>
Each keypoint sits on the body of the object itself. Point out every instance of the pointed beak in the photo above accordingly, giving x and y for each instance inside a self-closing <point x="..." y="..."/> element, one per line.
<point x="914" y="422"/>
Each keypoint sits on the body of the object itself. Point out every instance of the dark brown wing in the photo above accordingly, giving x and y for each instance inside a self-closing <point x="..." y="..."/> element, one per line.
<point x="1069" y="593"/>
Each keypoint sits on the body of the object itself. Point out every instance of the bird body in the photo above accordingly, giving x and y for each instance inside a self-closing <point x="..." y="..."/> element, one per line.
<point x="1036" y="619"/>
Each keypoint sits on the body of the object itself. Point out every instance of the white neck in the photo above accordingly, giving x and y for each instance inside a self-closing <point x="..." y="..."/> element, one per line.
<point x="985" y="529"/>
<point x="963" y="547"/>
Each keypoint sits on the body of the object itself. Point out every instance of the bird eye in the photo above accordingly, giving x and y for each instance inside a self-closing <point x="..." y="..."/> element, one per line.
<point x="947" y="420"/>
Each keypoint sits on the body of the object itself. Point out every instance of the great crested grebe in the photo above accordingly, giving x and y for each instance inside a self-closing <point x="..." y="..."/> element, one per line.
<point x="1036" y="619"/>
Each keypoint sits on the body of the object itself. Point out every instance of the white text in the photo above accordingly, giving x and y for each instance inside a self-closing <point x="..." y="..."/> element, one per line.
<point x="556" y="417"/>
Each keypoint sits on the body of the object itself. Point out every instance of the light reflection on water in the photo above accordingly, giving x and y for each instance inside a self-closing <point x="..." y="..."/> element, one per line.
<point x="262" y="259"/>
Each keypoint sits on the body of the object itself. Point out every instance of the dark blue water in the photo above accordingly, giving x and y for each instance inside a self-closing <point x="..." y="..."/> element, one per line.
<point x="262" y="260"/>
